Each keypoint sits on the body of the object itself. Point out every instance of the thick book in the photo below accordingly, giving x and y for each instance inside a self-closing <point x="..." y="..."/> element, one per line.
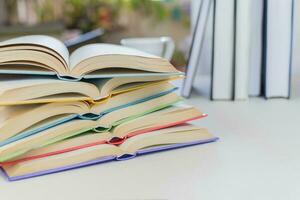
<point x="45" y="55"/>
<point x="155" y="141"/>
<point x="242" y="49"/>
<point x="77" y="126"/>
<point x="15" y="90"/>
<point x="223" y="50"/>
<point x="34" y="118"/>
<point x="168" y="117"/>
<point x="278" y="48"/>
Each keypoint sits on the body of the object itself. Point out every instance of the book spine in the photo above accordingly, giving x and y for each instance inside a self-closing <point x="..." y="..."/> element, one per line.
<point x="196" y="46"/>
<point x="242" y="49"/>
<point x="278" y="48"/>
<point x="256" y="47"/>
<point x="223" y="50"/>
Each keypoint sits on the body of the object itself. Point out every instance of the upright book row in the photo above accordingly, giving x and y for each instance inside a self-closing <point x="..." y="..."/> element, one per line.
<point x="252" y="49"/>
<point x="101" y="103"/>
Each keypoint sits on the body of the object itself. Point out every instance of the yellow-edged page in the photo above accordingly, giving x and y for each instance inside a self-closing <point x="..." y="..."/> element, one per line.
<point x="25" y="91"/>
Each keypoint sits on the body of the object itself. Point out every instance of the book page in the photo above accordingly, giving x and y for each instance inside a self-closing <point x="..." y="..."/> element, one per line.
<point x="178" y="134"/>
<point x="40" y="40"/>
<point x="10" y="82"/>
<point x="38" y="89"/>
<point x="93" y="50"/>
<point x="10" y="112"/>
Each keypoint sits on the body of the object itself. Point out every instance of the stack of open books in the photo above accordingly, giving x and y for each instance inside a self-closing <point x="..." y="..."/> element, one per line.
<point x="101" y="103"/>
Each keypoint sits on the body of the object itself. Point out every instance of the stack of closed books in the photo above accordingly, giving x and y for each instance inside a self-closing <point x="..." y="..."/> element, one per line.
<point x="101" y="103"/>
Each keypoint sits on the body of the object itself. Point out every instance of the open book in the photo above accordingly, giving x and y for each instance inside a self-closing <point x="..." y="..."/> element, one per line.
<point x="33" y="118"/>
<point x="45" y="55"/>
<point x="77" y="126"/>
<point x="164" y="139"/>
<point x="161" y="119"/>
<point x="28" y="90"/>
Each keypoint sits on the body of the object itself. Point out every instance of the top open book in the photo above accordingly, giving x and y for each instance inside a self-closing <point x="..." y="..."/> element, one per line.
<point x="45" y="55"/>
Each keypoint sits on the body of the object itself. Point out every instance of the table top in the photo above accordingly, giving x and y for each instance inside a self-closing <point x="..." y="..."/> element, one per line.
<point x="257" y="157"/>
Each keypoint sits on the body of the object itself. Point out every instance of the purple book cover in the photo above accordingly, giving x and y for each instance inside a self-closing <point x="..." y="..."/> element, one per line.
<point x="110" y="158"/>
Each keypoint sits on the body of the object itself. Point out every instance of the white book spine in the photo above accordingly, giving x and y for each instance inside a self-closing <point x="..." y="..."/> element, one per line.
<point x="242" y="49"/>
<point x="256" y="47"/>
<point x="278" y="48"/>
<point x="223" y="50"/>
<point x="196" y="46"/>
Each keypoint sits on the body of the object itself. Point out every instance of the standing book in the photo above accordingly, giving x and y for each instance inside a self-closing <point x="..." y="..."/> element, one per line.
<point x="223" y="50"/>
<point x="278" y="48"/>
<point x="242" y="49"/>
<point x="196" y="45"/>
<point x="256" y="47"/>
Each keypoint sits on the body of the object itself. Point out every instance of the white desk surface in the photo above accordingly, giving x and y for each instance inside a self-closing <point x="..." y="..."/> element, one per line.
<point x="256" y="158"/>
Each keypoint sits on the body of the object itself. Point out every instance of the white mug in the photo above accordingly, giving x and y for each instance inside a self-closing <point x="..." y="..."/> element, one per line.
<point x="159" y="46"/>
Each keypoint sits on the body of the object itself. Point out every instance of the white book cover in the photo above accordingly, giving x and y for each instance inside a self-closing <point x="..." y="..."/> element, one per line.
<point x="278" y="48"/>
<point x="242" y="49"/>
<point x="197" y="45"/>
<point x="223" y="50"/>
<point x="256" y="47"/>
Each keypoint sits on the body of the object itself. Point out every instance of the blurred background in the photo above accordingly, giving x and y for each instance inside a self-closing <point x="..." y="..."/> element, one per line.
<point x="116" y="19"/>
